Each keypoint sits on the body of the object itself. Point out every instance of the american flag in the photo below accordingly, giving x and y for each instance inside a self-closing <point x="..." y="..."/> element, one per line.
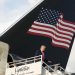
<point x="50" y="23"/>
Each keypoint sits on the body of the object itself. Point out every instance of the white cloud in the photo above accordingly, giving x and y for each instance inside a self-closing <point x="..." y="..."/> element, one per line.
<point x="2" y="2"/>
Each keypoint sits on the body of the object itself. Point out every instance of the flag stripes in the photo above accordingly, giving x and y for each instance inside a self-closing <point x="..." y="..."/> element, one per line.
<point x="50" y="23"/>
<point x="60" y="38"/>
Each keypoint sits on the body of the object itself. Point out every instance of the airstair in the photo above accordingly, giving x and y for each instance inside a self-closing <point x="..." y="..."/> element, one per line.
<point x="33" y="66"/>
<point x="55" y="69"/>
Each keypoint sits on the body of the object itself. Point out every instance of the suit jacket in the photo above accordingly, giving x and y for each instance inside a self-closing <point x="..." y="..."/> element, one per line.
<point x="38" y="52"/>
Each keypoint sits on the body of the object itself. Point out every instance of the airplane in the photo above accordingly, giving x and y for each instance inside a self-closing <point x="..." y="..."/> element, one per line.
<point x="4" y="27"/>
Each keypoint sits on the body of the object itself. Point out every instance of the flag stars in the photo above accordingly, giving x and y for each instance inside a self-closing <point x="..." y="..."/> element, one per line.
<point x="48" y="16"/>
<point x="42" y="8"/>
<point x="41" y="16"/>
<point x="42" y="13"/>
<point x="38" y="17"/>
<point x="46" y="10"/>
<point x="48" y="22"/>
<point x="53" y="14"/>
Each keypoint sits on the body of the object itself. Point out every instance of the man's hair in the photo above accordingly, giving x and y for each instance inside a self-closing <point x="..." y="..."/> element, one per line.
<point x="43" y="45"/>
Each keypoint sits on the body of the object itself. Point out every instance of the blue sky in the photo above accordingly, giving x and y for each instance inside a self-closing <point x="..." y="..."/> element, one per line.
<point x="12" y="10"/>
<point x="14" y="4"/>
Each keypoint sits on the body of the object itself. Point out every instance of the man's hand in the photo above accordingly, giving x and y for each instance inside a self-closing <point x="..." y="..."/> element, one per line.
<point x="49" y="61"/>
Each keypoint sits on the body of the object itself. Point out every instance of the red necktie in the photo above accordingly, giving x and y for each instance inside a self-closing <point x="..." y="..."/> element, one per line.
<point x="43" y="56"/>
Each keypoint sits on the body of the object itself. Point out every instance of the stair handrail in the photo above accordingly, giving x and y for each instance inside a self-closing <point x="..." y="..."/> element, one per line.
<point x="27" y="60"/>
<point x="47" y="67"/>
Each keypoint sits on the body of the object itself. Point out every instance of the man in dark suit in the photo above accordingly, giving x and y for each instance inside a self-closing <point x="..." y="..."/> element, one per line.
<point x="43" y="53"/>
